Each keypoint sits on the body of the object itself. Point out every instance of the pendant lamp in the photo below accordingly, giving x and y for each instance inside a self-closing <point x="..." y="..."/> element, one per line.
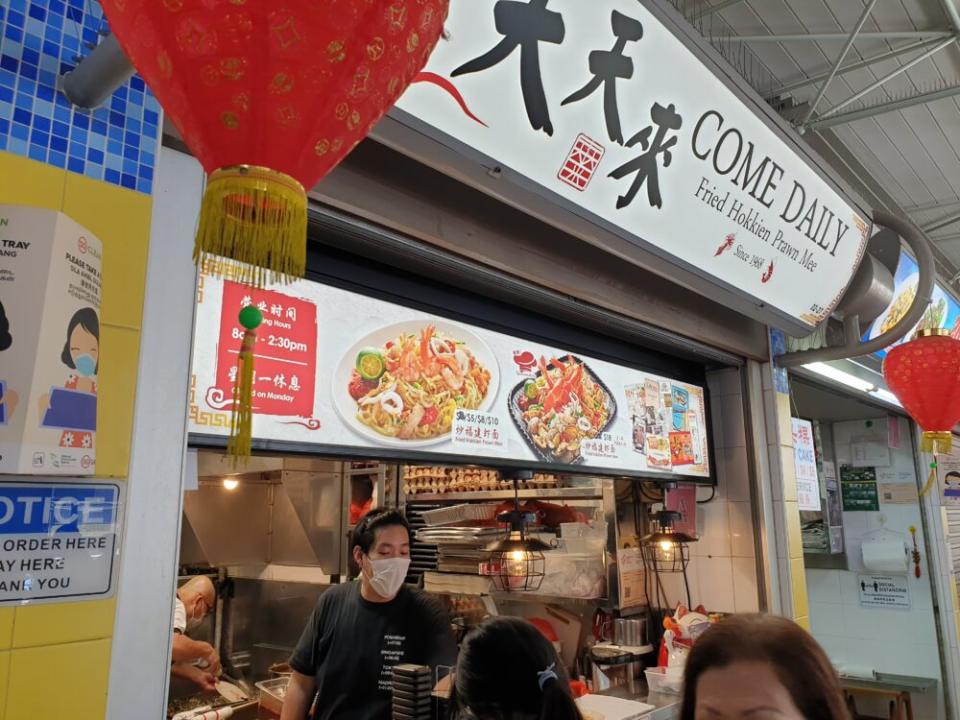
<point x="516" y="561"/>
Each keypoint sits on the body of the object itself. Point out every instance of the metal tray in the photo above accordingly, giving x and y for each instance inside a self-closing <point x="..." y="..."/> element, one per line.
<point x="516" y="414"/>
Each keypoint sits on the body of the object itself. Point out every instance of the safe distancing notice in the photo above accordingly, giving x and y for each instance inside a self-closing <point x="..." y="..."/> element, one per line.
<point x="58" y="540"/>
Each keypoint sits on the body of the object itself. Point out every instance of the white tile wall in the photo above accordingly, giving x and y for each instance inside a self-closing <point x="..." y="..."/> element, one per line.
<point x="890" y="640"/>
<point x="742" y="543"/>
<point x="745" y="598"/>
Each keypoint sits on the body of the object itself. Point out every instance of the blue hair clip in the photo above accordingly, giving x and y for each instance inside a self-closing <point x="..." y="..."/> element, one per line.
<point x="547" y="674"/>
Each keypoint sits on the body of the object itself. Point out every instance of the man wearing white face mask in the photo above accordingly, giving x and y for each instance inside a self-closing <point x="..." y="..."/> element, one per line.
<point x="359" y="631"/>
<point x="194" y="660"/>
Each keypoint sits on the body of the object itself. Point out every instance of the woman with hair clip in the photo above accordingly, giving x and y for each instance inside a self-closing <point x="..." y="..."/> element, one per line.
<point x="507" y="670"/>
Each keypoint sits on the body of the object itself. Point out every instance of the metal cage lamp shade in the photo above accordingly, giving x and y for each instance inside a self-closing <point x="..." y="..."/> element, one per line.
<point x="665" y="549"/>
<point x="516" y="561"/>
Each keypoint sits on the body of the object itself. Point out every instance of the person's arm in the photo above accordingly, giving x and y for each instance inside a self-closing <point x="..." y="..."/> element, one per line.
<point x="201" y="678"/>
<point x="187" y="650"/>
<point x="300" y="692"/>
<point x="439" y="644"/>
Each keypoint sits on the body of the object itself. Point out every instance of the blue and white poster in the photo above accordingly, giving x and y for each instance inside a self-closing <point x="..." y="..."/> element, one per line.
<point x="59" y="540"/>
<point x="943" y="312"/>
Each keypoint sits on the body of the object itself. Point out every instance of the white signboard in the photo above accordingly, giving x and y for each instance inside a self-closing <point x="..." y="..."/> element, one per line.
<point x="340" y="369"/>
<point x="805" y="462"/>
<point x="884" y="591"/>
<point x="601" y="106"/>
<point x="49" y="342"/>
<point x="58" y="540"/>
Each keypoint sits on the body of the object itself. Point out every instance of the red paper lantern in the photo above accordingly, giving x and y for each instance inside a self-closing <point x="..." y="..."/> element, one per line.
<point x="924" y="374"/>
<point x="271" y="95"/>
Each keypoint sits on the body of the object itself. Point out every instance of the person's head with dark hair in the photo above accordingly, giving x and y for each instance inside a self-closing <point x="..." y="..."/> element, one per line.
<point x="760" y="666"/>
<point x="81" y="351"/>
<point x="380" y="544"/>
<point x="508" y="670"/>
<point x="6" y="339"/>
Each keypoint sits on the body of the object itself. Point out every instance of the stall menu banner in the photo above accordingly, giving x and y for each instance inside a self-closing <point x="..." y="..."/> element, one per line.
<point x="605" y="110"/>
<point x="342" y="370"/>
<point x="49" y="342"/>
<point x="805" y="463"/>
<point x="943" y="311"/>
<point x="59" y="540"/>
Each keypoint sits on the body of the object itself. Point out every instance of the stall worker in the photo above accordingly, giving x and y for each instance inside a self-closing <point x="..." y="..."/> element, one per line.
<point x="360" y="630"/>
<point x="194" y="660"/>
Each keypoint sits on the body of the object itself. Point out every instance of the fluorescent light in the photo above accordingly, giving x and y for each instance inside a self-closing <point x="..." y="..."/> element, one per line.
<point x="230" y="483"/>
<point x="844" y="378"/>
<point x="886" y="396"/>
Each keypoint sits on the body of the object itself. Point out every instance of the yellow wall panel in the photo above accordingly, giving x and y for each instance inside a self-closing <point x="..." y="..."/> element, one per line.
<point x="119" y="353"/>
<point x="791" y="512"/>
<point x="59" y="681"/>
<point x="28" y="182"/>
<point x="798" y="583"/>
<point x="6" y="627"/>
<point x="4" y="681"/>
<point x="63" y="623"/>
<point x="120" y="218"/>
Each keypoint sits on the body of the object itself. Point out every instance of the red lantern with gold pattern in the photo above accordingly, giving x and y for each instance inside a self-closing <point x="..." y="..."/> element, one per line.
<point x="924" y="374"/>
<point x="270" y="95"/>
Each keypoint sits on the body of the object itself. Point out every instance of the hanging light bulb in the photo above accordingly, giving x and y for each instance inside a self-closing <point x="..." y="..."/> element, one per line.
<point x="516" y="561"/>
<point x="230" y="483"/>
<point x="665" y="548"/>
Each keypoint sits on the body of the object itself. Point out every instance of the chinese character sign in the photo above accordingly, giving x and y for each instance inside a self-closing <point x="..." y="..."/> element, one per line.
<point x="805" y="462"/>
<point x="601" y="105"/>
<point x="285" y="370"/>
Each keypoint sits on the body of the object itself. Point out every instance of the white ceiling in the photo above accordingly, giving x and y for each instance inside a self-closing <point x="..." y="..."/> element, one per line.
<point x="912" y="153"/>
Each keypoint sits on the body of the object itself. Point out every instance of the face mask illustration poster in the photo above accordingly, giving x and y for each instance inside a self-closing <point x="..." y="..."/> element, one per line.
<point x="49" y="342"/>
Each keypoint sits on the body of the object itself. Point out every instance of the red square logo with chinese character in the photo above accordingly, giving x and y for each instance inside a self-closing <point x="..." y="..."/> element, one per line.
<point x="581" y="163"/>
<point x="285" y="365"/>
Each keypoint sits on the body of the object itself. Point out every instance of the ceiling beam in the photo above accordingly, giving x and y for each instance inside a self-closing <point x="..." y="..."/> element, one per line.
<point x="889" y="76"/>
<point x="824" y="37"/>
<point x="950" y="8"/>
<point x="719" y="7"/>
<point x="860" y="64"/>
<point x="902" y="104"/>
<point x="942" y="223"/>
<point x="839" y="61"/>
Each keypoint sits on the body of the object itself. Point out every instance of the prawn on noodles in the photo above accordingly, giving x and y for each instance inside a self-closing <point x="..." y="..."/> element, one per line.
<point x="410" y="387"/>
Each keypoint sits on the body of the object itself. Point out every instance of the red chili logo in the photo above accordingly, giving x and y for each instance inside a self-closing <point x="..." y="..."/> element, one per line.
<point x="768" y="274"/>
<point x="726" y="245"/>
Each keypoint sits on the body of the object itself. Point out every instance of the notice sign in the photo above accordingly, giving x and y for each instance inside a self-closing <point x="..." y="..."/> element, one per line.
<point x="859" y="489"/>
<point x="884" y="591"/>
<point x="58" y="540"/>
<point x="805" y="462"/>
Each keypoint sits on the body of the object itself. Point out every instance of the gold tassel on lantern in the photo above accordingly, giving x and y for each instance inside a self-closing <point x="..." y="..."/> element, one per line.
<point x="241" y="420"/>
<point x="936" y="442"/>
<point x="258" y="217"/>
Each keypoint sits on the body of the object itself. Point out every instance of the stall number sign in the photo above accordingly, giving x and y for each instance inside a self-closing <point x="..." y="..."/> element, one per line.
<point x="884" y="591"/>
<point x="605" y="110"/>
<point x="58" y="540"/>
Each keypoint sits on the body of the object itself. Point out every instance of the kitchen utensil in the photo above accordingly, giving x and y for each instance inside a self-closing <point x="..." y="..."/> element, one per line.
<point x="272" y="694"/>
<point x="231" y="692"/>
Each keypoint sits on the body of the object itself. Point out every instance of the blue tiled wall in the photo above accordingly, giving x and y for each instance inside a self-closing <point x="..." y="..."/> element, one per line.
<point x="39" y="41"/>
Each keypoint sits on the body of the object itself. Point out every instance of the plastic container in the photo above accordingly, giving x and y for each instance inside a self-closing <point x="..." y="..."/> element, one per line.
<point x="272" y="694"/>
<point x="580" y="538"/>
<point x="577" y="575"/>
<point x="659" y="681"/>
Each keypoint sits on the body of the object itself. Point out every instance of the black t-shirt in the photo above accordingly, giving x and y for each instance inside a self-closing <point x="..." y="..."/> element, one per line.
<point x="350" y="646"/>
